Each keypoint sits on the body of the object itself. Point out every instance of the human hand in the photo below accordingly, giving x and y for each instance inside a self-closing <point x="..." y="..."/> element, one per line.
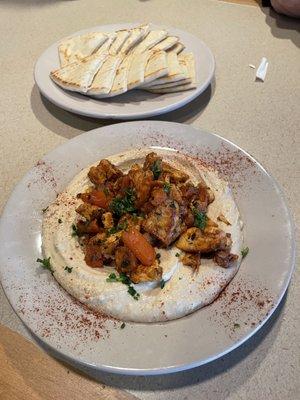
<point x="287" y="7"/>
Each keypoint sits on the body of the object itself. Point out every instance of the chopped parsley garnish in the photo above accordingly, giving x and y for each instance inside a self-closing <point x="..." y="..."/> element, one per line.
<point x="74" y="230"/>
<point x="68" y="269"/>
<point x="123" y="325"/>
<point x="123" y="278"/>
<point x="120" y="227"/>
<point x="59" y="220"/>
<point x="177" y="255"/>
<point x="45" y="209"/>
<point x="131" y="290"/>
<point x="167" y="187"/>
<point x="106" y="191"/>
<point x="180" y="278"/>
<point x="236" y="326"/>
<point x="244" y="252"/>
<point x="125" y="204"/>
<point x="45" y="263"/>
<point x="156" y="169"/>
<point x="162" y="284"/>
<point x="200" y="219"/>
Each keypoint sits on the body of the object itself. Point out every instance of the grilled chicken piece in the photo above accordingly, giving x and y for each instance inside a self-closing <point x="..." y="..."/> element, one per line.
<point x="88" y="227"/>
<point x="141" y="182"/>
<point x="175" y="175"/>
<point x="93" y="255"/>
<point x="88" y="211"/>
<point x="210" y="239"/>
<point x="130" y="222"/>
<point x="125" y="260"/>
<point x="158" y="196"/>
<point x="164" y="222"/>
<point x="143" y="273"/>
<point x="192" y="260"/>
<point x="105" y="171"/>
<point x="107" y="220"/>
<point x="224" y="258"/>
<point x="150" y="160"/>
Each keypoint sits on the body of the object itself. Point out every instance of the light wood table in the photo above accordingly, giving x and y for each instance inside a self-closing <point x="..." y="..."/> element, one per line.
<point x="263" y="118"/>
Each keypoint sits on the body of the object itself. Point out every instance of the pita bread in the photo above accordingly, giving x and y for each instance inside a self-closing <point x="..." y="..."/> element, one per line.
<point x="166" y="44"/>
<point x="137" y="68"/>
<point x="177" y="48"/>
<point x="157" y="66"/>
<point x="105" y="76"/>
<point x="175" y="72"/>
<point x="151" y="40"/>
<point x="104" y="49"/>
<point x="121" y="37"/>
<point x="119" y="85"/>
<point x="78" y="47"/>
<point x="136" y="35"/>
<point x="78" y="76"/>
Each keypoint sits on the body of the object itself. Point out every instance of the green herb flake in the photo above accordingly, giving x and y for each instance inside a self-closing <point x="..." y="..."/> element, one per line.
<point x="180" y="278"/>
<point x="125" y="204"/>
<point x="131" y="290"/>
<point x="106" y="191"/>
<point x="167" y="187"/>
<point x="177" y="255"/>
<point x="45" y="209"/>
<point x="123" y="278"/>
<point x="112" y="278"/>
<point x="156" y="169"/>
<point x="123" y="325"/>
<point x="74" y="230"/>
<point x="120" y="227"/>
<point x="59" y="220"/>
<point x="68" y="269"/>
<point x="162" y="284"/>
<point x="244" y="252"/>
<point x="200" y="219"/>
<point x="45" y="263"/>
<point x="236" y="326"/>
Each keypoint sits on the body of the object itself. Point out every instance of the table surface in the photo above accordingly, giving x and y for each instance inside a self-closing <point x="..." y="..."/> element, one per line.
<point x="263" y="118"/>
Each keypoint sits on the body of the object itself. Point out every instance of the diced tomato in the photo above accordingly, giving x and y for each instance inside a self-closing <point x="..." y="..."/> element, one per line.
<point x="139" y="246"/>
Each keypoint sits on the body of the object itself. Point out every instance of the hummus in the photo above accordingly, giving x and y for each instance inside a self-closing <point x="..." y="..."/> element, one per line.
<point x="184" y="289"/>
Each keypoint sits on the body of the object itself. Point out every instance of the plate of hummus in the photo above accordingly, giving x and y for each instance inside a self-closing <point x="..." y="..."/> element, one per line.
<point x="133" y="237"/>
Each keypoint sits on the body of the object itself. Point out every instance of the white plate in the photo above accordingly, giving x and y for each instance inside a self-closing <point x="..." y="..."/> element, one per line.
<point x="203" y="336"/>
<point x="134" y="104"/>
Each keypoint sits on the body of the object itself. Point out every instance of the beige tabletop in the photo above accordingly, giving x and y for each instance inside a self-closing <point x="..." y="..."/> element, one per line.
<point x="263" y="118"/>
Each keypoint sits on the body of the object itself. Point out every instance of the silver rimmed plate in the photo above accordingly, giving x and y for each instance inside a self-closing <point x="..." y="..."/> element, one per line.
<point x="134" y="104"/>
<point x="94" y="340"/>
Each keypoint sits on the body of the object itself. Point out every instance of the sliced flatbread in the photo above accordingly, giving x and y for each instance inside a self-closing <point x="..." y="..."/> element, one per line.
<point x="121" y="37"/>
<point x="119" y="85"/>
<point x="166" y="44"/>
<point x="78" y="47"/>
<point x="175" y="72"/>
<point x="105" y="76"/>
<point x="78" y="76"/>
<point x="157" y="66"/>
<point x="151" y="40"/>
<point x="190" y="63"/>
<point x="137" y="69"/>
<point x="177" y="48"/>
<point x="136" y="35"/>
<point x="187" y="71"/>
<point x="105" y="48"/>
